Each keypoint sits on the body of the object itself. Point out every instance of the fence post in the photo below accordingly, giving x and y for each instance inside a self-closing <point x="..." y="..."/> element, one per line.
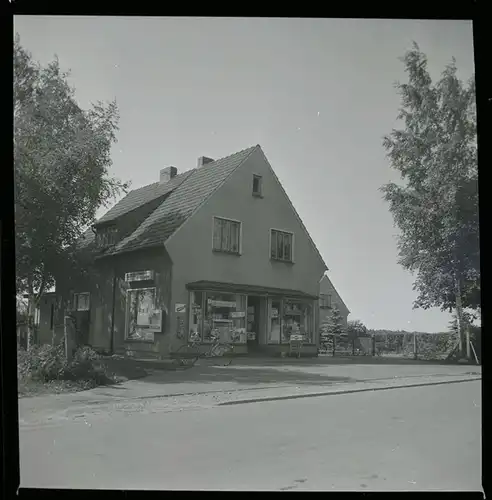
<point x="373" y="347"/>
<point x="353" y="347"/>
<point x="334" y="346"/>
<point x="415" y="355"/>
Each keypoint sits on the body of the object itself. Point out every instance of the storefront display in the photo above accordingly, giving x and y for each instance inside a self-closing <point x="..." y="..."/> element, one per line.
<point x="230" y="318"/>
<point x="275" y="322"/>
<point x="290" y="317"/>
<point x="223" y="319"/>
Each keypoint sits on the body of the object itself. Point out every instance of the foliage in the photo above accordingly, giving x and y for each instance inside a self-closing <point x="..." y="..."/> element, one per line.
<point x="61" y="161"/>
<point x="336" y="323"/>
<point x="48" y="363"/>
<point x="356" y="329"/>
<point x="437" y="210"/>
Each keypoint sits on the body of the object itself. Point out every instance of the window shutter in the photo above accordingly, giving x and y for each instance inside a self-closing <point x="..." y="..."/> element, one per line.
<point x="287" y="246"/>
<point x="273" y="244"/>
<point x="217" y="233"/>
<point x="234" y="237"/>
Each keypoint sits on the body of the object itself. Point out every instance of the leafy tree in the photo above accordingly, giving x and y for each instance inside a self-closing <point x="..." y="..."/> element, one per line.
<point x="61" y="161"/>
<point x="437" y="208"/>
<point x="336" y="323"/>
<point x="356" y="329"/>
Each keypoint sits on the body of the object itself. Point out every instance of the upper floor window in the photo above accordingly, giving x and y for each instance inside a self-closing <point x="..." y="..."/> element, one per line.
<point x="281" y="245"/>
<point x="106" y="236"/>
<point x="227" y="235"/>
<point x="257" y="185"/>
<point x="324" y="301"/>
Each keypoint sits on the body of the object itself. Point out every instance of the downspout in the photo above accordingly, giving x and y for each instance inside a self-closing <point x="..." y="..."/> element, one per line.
<point x="112" y="310"/>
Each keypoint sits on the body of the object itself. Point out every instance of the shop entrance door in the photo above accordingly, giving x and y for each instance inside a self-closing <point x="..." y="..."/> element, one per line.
<point x="253" y="322"/>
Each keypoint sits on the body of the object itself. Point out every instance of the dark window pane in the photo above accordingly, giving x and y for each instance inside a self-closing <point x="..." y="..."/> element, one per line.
<point x="287" y="246"/>
<point x="280" y="246"/>
<point x="274" y="245"/>
<point x="217" y="233"/>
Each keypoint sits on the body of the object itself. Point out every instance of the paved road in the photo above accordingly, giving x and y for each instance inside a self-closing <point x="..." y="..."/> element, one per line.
<point x="425" y="438"/>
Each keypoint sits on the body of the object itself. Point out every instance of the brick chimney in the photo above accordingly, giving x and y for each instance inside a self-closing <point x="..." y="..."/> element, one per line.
<point x="203" y="160"/>
<point x="167" y="174"/>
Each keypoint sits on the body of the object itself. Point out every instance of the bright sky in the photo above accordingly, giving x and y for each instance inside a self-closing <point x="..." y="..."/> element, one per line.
<point x="316" y="94"/>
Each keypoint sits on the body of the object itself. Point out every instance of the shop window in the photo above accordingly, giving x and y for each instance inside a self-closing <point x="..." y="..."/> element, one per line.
<point x="281" y="245"/>
<point x="290" y="317"/>
<point x="275" y="326"/>
<point x="143" y="318"/>
<point x="257" y="185"/>
<point x="196" y="316"/>
<point x="297" y="319"/>
<point x="226" y="235"/>
<point x="81" y="301"/>
<point x="224" y="318"/>
<point x="325" y="301"/>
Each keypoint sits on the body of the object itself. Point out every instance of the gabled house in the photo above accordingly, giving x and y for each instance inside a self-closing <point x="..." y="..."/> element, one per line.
<point x="329" y="299"/>
<point x="216" y="250"/>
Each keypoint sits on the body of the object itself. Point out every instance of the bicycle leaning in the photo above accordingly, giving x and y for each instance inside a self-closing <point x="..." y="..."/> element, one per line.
<point x="194" y="350"/>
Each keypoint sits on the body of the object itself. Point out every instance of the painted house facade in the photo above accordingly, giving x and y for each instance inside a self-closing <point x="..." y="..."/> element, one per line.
<point x="217" y="251"/>
<point x="329" y="299"/>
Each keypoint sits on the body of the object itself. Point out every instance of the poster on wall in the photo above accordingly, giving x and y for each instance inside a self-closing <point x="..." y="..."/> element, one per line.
<point x="143" y="320"/>
<point x="274" y="312"/>
<point x="180" y="308"/>
<point x="180" y="328"/>
<point x="155" y="321"/>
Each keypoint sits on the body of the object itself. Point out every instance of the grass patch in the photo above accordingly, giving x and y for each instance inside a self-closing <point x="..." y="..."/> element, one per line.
<point x="45" y="370"/>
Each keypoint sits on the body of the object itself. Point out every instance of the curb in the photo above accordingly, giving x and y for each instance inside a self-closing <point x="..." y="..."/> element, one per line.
<point x="344" y="391"/>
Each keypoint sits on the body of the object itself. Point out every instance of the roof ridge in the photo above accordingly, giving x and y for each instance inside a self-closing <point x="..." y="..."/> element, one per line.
<point x="180" y="191"/>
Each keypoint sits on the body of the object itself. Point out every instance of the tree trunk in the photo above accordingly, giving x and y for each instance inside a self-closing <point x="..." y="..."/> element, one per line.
<point x="31" y="311"/>
<point x="459" y="318"/>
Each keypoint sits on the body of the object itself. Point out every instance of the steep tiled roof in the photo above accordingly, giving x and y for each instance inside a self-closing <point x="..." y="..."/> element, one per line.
<point x="141" y="196"/>
<point x="183" y="201"/>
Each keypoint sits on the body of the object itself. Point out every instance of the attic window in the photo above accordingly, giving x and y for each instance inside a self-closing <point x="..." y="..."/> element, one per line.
<point x="325" y="301"/>
<point x="257" y="184"/>
<point x="106" y="236"/>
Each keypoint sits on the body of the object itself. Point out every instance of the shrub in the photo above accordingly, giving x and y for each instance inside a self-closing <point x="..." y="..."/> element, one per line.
<point x="42" y="363"/>
<point x="47" y="363"/>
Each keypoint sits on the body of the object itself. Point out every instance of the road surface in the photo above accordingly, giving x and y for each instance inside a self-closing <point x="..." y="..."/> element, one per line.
<point x="425" y="438"/>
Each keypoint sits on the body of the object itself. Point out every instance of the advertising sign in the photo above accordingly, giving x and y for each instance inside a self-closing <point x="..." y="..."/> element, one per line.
<point x="139" y="276"/>
<point x="237" y="314"/>
<point x="221" y="303"/>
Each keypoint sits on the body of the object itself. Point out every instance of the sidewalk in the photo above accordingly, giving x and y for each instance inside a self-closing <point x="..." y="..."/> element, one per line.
<point x="204" y="386"/>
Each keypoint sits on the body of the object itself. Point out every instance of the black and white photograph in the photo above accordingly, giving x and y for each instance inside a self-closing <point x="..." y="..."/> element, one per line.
<point x="247" y="254"/>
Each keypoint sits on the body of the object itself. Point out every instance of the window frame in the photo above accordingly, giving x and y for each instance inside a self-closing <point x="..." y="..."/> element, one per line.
<point x="106" y="236"/>
<point x="239" y="224"/>
<point x="75" y="302"/>
<point x="259" y="193"/>
<point x="281" y="232"/>
<point x="325" y="301"/>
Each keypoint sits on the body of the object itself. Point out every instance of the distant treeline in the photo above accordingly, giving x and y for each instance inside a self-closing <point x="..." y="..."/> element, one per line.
<point x="401" y="332"/>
